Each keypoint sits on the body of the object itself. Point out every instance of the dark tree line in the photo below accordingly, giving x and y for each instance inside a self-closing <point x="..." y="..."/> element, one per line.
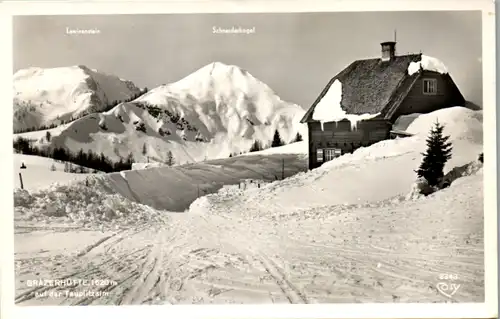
<point x="87" y="159"/>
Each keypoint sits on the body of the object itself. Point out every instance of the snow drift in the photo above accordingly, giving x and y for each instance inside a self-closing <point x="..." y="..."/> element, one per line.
<point x="88" y="204"/>
<point x="217" y="111"/>
<point x="47" y="96"/>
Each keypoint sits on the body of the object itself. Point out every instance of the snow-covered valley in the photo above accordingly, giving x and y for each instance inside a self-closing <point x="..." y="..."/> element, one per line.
<point x="345" y="232"/>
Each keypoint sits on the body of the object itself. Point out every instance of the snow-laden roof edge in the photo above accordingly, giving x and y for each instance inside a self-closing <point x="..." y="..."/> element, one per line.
<point x="329" y="108"/>
<point x="427" y="63"/>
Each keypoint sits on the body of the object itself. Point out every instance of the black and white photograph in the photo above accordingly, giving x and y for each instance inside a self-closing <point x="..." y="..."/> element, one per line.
<point x="249" y="158"/>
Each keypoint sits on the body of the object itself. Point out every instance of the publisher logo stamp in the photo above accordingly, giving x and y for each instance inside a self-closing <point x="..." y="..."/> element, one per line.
<point x="448" y="284"/>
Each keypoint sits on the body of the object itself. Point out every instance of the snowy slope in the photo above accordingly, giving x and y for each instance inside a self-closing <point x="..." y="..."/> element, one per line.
<point x="41" y="172"/>
<point x="214" y="112"/>
<point x="175" y="188"/>
<point x="353" y="178"/>
<point x="45" y="96"/>
<point x="342" y="233"/>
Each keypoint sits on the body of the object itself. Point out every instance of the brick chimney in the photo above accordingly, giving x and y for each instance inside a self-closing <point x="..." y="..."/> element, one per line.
<point x="388" y="50"/>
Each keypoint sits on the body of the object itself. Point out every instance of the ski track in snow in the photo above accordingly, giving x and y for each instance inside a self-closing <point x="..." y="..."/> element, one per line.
<point x="259" y="246"/>
<point x="225" y="257"/>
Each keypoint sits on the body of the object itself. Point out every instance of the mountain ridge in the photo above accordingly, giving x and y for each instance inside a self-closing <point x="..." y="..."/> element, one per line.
<point x="216" y="111"/>
<point x="50" y="96"/>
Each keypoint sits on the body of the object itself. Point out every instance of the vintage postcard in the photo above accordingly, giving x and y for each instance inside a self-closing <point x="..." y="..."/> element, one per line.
<point x="251" y="156"/>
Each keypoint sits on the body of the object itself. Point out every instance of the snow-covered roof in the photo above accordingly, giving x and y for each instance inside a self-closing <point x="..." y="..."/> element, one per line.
<point x="429" y="64"/>
<point x="370" y="87"/>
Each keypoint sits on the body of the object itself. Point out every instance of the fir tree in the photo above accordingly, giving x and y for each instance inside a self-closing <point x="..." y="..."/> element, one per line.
<point x="144" y="149"/>
<point x="256" y="146"/>
<point x="437" y="154"/>
<point x="48" y="136"/>
<point x="298" y="138"/>
<point x="277" y="139"/>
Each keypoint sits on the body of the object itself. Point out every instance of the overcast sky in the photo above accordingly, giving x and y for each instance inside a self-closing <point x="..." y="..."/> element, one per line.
<point x="294" y="53"/>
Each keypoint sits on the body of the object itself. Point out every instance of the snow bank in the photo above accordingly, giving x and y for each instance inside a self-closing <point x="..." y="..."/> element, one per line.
<point x="89" y="204"/>
<point x="427" y="63"/>
<point x="461" y="123"/>
<point x="329" y="108"/>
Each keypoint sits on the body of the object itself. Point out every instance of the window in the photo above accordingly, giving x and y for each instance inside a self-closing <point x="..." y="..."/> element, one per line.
<point x="331" y="153"/>
<point x="430" y="86"/>
<point x="319" y="155"/>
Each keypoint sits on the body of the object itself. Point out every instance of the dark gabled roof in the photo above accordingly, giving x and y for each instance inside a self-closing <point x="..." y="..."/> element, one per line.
<point x="372" y="85"/>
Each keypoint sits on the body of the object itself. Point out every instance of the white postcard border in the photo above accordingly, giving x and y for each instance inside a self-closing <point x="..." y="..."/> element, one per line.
<point x="479" y="310"/>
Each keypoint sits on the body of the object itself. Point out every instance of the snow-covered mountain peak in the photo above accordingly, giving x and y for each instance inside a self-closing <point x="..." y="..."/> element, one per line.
<point x="218" y="78"/>
<point x="216" y="111"/>
<point x="47" y="96"/>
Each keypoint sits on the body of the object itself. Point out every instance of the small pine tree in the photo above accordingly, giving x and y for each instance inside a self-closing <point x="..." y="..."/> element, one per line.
<point x="437" y="154"/>
<point x="53" y="168"/>
<point x="170" y="158"/>
<point x="277" y="141"/>
<point x="298" y="138"/>
<point x="256" y="146"/>
<point x="48" y="136"/>
<point x="144" y="149"/>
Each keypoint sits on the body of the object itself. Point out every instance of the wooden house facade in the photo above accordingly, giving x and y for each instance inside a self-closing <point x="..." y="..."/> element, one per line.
<point x="380" y="86"/>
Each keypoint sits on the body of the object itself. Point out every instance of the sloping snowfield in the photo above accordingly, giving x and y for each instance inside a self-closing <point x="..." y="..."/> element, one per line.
<point x="342" y="233"/>
<point x="174" y="188"/>
<point x="41" y="172"/>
